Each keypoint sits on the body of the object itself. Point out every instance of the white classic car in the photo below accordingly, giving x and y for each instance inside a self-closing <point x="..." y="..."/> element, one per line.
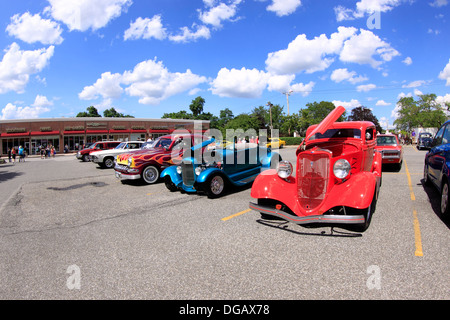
<point x="105" y="158"/>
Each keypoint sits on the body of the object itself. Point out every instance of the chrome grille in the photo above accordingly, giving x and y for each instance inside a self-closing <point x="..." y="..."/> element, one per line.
<point x="188" y="173"/>
<point x="312" y="178"/>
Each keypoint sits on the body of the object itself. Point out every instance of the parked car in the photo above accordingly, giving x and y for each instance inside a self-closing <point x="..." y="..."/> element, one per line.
<point x="105" y="158"/>
<point x="85" y="153"/>
<point x="424" y="141"/>
<point x="336" y="182"/>
<point x="213" y="171"/>
<point x="147" y="164"/>
<point x="391" y="150"/>
<point x="437" y="166"/>
<point x="275" y="143"/>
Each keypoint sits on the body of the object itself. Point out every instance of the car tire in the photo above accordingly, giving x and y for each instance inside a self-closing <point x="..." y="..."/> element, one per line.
<point x="426" y="177"/>
<point x="367" y="217"/>
<point x="169" y="184"/>
<point x="215" y="186"/>
<point x="150" y="174"/>
<point x="444" y="205"/>
<point x="108" y="163"/>
<point x="85" y="158"/>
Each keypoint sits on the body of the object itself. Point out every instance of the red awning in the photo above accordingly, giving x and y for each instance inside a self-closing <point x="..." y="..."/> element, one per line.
<point x="139" y="131"/>
<point x="12" y="135"/>
<point x="47" y="133"/>
<point x="159" y="131"/>
<point x="96" y="131"/>
<point x="119" y="131"/>
<point x="73" y="132"/>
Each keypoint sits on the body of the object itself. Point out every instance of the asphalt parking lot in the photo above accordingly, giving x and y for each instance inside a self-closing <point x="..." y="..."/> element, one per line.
<point x="71" y="230"/>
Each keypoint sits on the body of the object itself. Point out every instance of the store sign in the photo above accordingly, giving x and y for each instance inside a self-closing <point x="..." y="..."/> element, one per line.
<point x="96" y="125"/>
<point x="16" y="130"/>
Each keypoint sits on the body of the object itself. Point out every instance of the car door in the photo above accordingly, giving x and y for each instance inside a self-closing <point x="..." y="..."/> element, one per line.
<point x="436" y="156"/>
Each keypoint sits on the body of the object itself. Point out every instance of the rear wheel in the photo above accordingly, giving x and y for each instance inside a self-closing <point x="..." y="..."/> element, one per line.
<point x="108" y="162"/>
<point x="150" y="174"/>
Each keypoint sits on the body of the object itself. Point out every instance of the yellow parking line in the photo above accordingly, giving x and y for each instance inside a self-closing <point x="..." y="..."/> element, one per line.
<point x="417" y="235"/>
<point x="235" y="215"/>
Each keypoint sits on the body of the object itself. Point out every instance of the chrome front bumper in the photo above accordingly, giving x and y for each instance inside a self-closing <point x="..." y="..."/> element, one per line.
<point x="324" y="218"/>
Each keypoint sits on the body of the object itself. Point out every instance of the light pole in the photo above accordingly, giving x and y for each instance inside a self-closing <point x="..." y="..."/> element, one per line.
<point x="287" y="98"/>
<point x="270" y="112"/>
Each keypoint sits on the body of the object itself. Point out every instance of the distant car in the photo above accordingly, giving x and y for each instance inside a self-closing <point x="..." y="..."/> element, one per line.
<point x="148" y="163"/>
<point x="437" y="166"/>
<point x="275" y="143"/>
<point x="424" y="140"/>
<point x="213" y="171"/>
<point x="336" y="181"/>
<point x="85" y="153"/>
<point x="105" y="158"/>
<point x="391" y="150"/>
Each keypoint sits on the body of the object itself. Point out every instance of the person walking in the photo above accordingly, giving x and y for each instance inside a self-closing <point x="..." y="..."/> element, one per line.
<point x="13" y="152"/>
<point x="21" y="154"/>
<point x="9" y="154"/>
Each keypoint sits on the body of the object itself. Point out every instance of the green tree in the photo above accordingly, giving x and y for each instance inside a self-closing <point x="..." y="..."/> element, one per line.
<point x="362" y="113"/>
<point x="315" y="113"/>
<point x="90" y="112"/>
<point x="112" y="113"/>
<point x="425" y="112"/>
<point x="196" y="106"/>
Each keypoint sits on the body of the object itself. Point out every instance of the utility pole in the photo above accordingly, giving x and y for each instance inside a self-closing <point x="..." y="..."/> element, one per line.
<point x="287" y="98"/>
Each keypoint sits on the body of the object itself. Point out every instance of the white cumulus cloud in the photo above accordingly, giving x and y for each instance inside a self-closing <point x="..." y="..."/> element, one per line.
<point x="11" y="111"/>
<point x="343" y="74"/>
<point x="445" y="74"/>
<point x="17" y="66"/>
<point x="32" y="28"/>
<point x="145" y="29"/>
<point x="86" y="14"/>
<point x="284" y="7"/>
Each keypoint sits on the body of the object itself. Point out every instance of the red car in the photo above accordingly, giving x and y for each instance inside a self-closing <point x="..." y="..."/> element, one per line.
<point x="147" y="164"/>
<point x="336" y="181"/>
<point x="84" y="154"/>
<point x="391" y="150"/>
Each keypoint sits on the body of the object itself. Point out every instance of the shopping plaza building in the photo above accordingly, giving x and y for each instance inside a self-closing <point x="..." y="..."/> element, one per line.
<point x="73" y="133"/>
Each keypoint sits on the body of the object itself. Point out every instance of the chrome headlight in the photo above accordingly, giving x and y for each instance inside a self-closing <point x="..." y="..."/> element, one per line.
<point x="341" y="168"/>
<point x="179" y="170"/>
<point x="130" y="161"/>
<point x="284" y="169"/>
<point x="199" y="170"/>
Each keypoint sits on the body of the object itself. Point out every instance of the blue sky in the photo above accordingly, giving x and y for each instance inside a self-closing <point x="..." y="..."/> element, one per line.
<point x="148" y="57"/>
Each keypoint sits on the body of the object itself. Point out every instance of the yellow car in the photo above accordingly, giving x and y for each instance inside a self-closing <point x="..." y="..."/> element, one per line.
<point x="275" y="143"/>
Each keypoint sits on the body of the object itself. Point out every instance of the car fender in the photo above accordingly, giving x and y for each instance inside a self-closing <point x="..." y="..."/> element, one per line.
<point x="173" y="174"/>
<point x="269" y="160"/>
<point x="205" y="174"/>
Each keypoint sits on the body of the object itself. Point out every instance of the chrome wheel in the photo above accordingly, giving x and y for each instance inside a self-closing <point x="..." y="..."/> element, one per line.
<point x="109" y="163"/>
<point x="217" y="185"/>
<point x="150" y="174"/>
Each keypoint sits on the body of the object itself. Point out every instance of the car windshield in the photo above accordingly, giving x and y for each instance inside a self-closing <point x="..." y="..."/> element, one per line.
<point x="148" y="145"/>
<point x="121" y="145"/>
<point x="338" y="133"/>
<point x="386" y="141"/>
<point x="162" y="143"/>
<point x="425" y="135"/>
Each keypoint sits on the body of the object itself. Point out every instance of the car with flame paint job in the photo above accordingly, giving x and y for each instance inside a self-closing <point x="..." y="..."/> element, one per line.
<point x="105" y="158"/>
<point x="336" y="181"/>
<point x="214" y="171"/>
<point x="391" y="150"/>
<point x="147" y="164"/>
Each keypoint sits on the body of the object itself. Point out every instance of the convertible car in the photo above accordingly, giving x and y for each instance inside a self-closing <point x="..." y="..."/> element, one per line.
<point x="337" y="178"/>
<point x="212" y="171"/>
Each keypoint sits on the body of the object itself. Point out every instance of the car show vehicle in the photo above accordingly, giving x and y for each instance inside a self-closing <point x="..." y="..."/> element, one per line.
<point x="213" y="171"/>
<point x="275" y="143"/>
<point x="336" y="182"/>
<point x="424" y="141"/>
<point x="147" y="164"/>
<point x="105" y="158"/>
<point x="391" y="150"/>
<point x="437" y="166"/>
<point x="84" y="154"/>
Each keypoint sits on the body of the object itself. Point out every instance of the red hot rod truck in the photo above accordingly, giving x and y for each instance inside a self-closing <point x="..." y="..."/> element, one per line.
<point x="336" y="181"/>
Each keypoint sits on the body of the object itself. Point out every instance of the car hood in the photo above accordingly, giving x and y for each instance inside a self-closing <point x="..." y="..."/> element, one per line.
<point x="139" y="152"/>
<point x="110" y="151"/>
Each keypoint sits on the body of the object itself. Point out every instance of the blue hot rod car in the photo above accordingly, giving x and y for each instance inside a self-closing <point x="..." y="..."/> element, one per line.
<point x="212" y="170"/>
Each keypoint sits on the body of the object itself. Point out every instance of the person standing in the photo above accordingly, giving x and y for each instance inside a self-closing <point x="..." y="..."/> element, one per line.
<point x="13" y="152"/>
<point x="21" y="154"/>
<point x="9" y="154"/>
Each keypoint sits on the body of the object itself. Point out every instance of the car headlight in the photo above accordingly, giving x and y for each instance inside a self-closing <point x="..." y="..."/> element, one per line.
<point x="341" y="168"/>
<point x="284" y="169"/>
<point x="130" y="161"/>
<point x="198" y="170"/>
<point x="179" y="170"/>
